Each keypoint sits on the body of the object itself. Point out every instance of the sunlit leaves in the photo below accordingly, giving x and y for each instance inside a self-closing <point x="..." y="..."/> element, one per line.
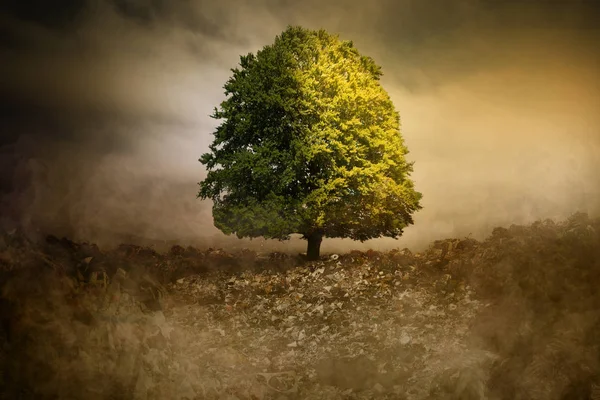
<point x="309" y="140"/>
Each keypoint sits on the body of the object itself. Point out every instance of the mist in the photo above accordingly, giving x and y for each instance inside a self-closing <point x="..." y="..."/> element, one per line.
<point x="106" y="111"/>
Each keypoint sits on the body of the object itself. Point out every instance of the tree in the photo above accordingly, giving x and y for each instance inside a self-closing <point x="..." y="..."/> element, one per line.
<point x="309" y="143"/>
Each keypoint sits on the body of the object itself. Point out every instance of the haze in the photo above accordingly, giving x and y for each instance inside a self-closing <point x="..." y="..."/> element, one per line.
<point x="105" y="110"/>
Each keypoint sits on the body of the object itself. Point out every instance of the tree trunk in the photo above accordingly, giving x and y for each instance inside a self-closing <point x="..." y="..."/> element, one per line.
<point x="313" y="250"/>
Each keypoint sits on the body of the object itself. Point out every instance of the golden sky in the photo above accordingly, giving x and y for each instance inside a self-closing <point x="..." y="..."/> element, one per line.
<point x="106" y="107"/>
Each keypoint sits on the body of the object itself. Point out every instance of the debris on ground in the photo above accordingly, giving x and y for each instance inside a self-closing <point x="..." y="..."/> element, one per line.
<point x="513" y="316"/>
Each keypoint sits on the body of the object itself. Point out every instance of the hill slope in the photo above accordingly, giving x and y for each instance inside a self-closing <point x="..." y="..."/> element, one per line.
<point x="516" y="316"/>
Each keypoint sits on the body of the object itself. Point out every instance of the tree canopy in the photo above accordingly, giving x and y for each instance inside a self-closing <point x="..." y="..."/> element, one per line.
<point x="309" y="143"/>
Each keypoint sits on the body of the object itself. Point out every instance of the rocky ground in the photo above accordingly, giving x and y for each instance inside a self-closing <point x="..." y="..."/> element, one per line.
<point x="516" y="316"/>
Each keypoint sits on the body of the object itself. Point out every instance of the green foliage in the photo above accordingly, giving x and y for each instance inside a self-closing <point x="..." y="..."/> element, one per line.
<point x="309" y="142"/>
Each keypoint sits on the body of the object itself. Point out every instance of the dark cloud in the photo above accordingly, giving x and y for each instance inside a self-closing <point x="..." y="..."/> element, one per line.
<point x="56" y="14"/>
<point x="104" y="106"/>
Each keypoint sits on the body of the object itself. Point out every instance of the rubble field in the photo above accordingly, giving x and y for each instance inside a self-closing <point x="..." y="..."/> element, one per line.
<point x="515" y="316"/>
